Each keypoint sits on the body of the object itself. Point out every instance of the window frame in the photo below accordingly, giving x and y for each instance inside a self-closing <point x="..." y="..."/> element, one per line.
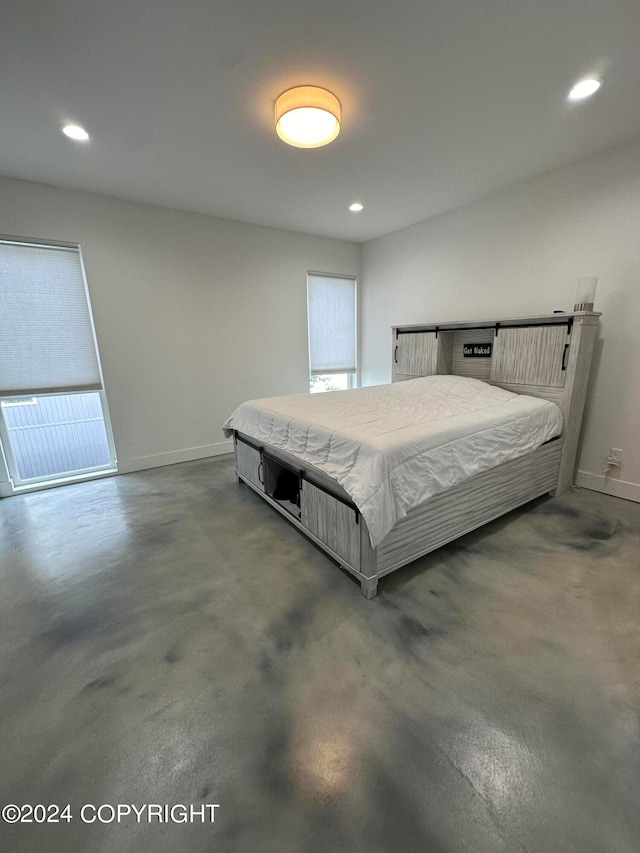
<point x="7" y="457"/>
<point x="355" y="376"/>
<point x="18" y="484"/>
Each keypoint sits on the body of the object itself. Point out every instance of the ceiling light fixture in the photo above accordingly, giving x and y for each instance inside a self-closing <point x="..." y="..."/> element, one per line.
<point x="356" y="206"/>
<point x="307" y="117"/>
<point x="584" y="88"/>
<point x="74" y="131"/>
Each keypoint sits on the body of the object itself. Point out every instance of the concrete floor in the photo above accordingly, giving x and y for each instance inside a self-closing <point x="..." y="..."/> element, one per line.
<point x="166" y="637"/>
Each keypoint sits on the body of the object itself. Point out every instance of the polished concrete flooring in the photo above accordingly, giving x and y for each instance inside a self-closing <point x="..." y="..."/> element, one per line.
<point x="166" y="638"/>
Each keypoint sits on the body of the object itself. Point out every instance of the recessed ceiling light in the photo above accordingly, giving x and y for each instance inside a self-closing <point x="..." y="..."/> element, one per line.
<point x="74" y="131"/>
<point x="307" y="117"/>
<point x="585" y="88"/>
<point x="356" y="206"/>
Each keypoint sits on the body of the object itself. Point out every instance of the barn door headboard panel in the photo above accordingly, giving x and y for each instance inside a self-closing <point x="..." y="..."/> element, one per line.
<point x="546" y="356"/>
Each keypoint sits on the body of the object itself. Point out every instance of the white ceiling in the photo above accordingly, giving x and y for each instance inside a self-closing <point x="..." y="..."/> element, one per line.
<point x="443" y="100"/>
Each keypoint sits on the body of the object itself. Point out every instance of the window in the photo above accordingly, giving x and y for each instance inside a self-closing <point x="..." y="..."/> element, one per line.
<point x="331" y="382"/>
<point x="332" y="317"/>
<point x="53" y="416"/>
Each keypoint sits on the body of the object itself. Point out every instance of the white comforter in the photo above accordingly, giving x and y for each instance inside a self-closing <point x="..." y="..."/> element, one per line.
<point x="391" y="447"/>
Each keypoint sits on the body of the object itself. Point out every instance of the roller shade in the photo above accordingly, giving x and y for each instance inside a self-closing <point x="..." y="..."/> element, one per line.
<point x="46" y="334"/>
<point x="332" y="324"/>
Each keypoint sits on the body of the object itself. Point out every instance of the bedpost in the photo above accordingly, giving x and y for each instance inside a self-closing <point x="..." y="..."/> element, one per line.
<point x="583" y="338"/>
<point x="368" y="563"/>
<point x="369" y="587"/>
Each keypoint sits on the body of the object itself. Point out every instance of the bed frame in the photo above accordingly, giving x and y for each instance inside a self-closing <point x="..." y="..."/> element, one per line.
<point x="546" y="356"/>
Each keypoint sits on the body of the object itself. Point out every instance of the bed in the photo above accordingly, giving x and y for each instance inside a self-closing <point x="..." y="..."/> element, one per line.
<point x="479" y="419"/>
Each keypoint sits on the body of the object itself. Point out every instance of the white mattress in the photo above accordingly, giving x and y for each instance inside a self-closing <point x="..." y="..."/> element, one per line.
<point x="391" y="447"/>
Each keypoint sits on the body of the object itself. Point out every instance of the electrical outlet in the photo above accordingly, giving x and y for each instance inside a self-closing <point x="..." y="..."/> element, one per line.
<point x="615" y="457"/>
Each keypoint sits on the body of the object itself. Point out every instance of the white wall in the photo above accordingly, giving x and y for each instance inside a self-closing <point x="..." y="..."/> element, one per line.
<point x="521" y="251"/>
<point x="193" y="314"/>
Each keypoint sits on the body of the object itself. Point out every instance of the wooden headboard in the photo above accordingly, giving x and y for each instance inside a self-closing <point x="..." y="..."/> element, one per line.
<point x="546" y="356"/>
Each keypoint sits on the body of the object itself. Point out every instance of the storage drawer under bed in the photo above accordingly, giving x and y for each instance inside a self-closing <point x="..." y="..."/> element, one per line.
<point x="329" y="517"/>
<point x="249" y="462"/>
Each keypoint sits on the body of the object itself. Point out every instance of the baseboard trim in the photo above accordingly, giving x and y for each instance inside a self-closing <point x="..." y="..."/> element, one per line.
<point x="128" y="466"/>
<point x="608" y="486"/>
<point x="187" y="454"/>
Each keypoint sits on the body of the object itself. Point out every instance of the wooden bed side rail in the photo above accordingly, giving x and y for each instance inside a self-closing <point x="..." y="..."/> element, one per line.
<point x="458" y="511"/>
<point x="332" y="523"/>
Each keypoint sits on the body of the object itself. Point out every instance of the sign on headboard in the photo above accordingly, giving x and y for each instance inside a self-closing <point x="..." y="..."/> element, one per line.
<point x="477" y="350"/>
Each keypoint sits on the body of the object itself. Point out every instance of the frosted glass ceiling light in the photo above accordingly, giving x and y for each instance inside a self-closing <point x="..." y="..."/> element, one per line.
<point x="585" y="88"/>
<point x="307" y="117"/>
<point x="356" y="207"/>
<point x="74" y="131"/>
